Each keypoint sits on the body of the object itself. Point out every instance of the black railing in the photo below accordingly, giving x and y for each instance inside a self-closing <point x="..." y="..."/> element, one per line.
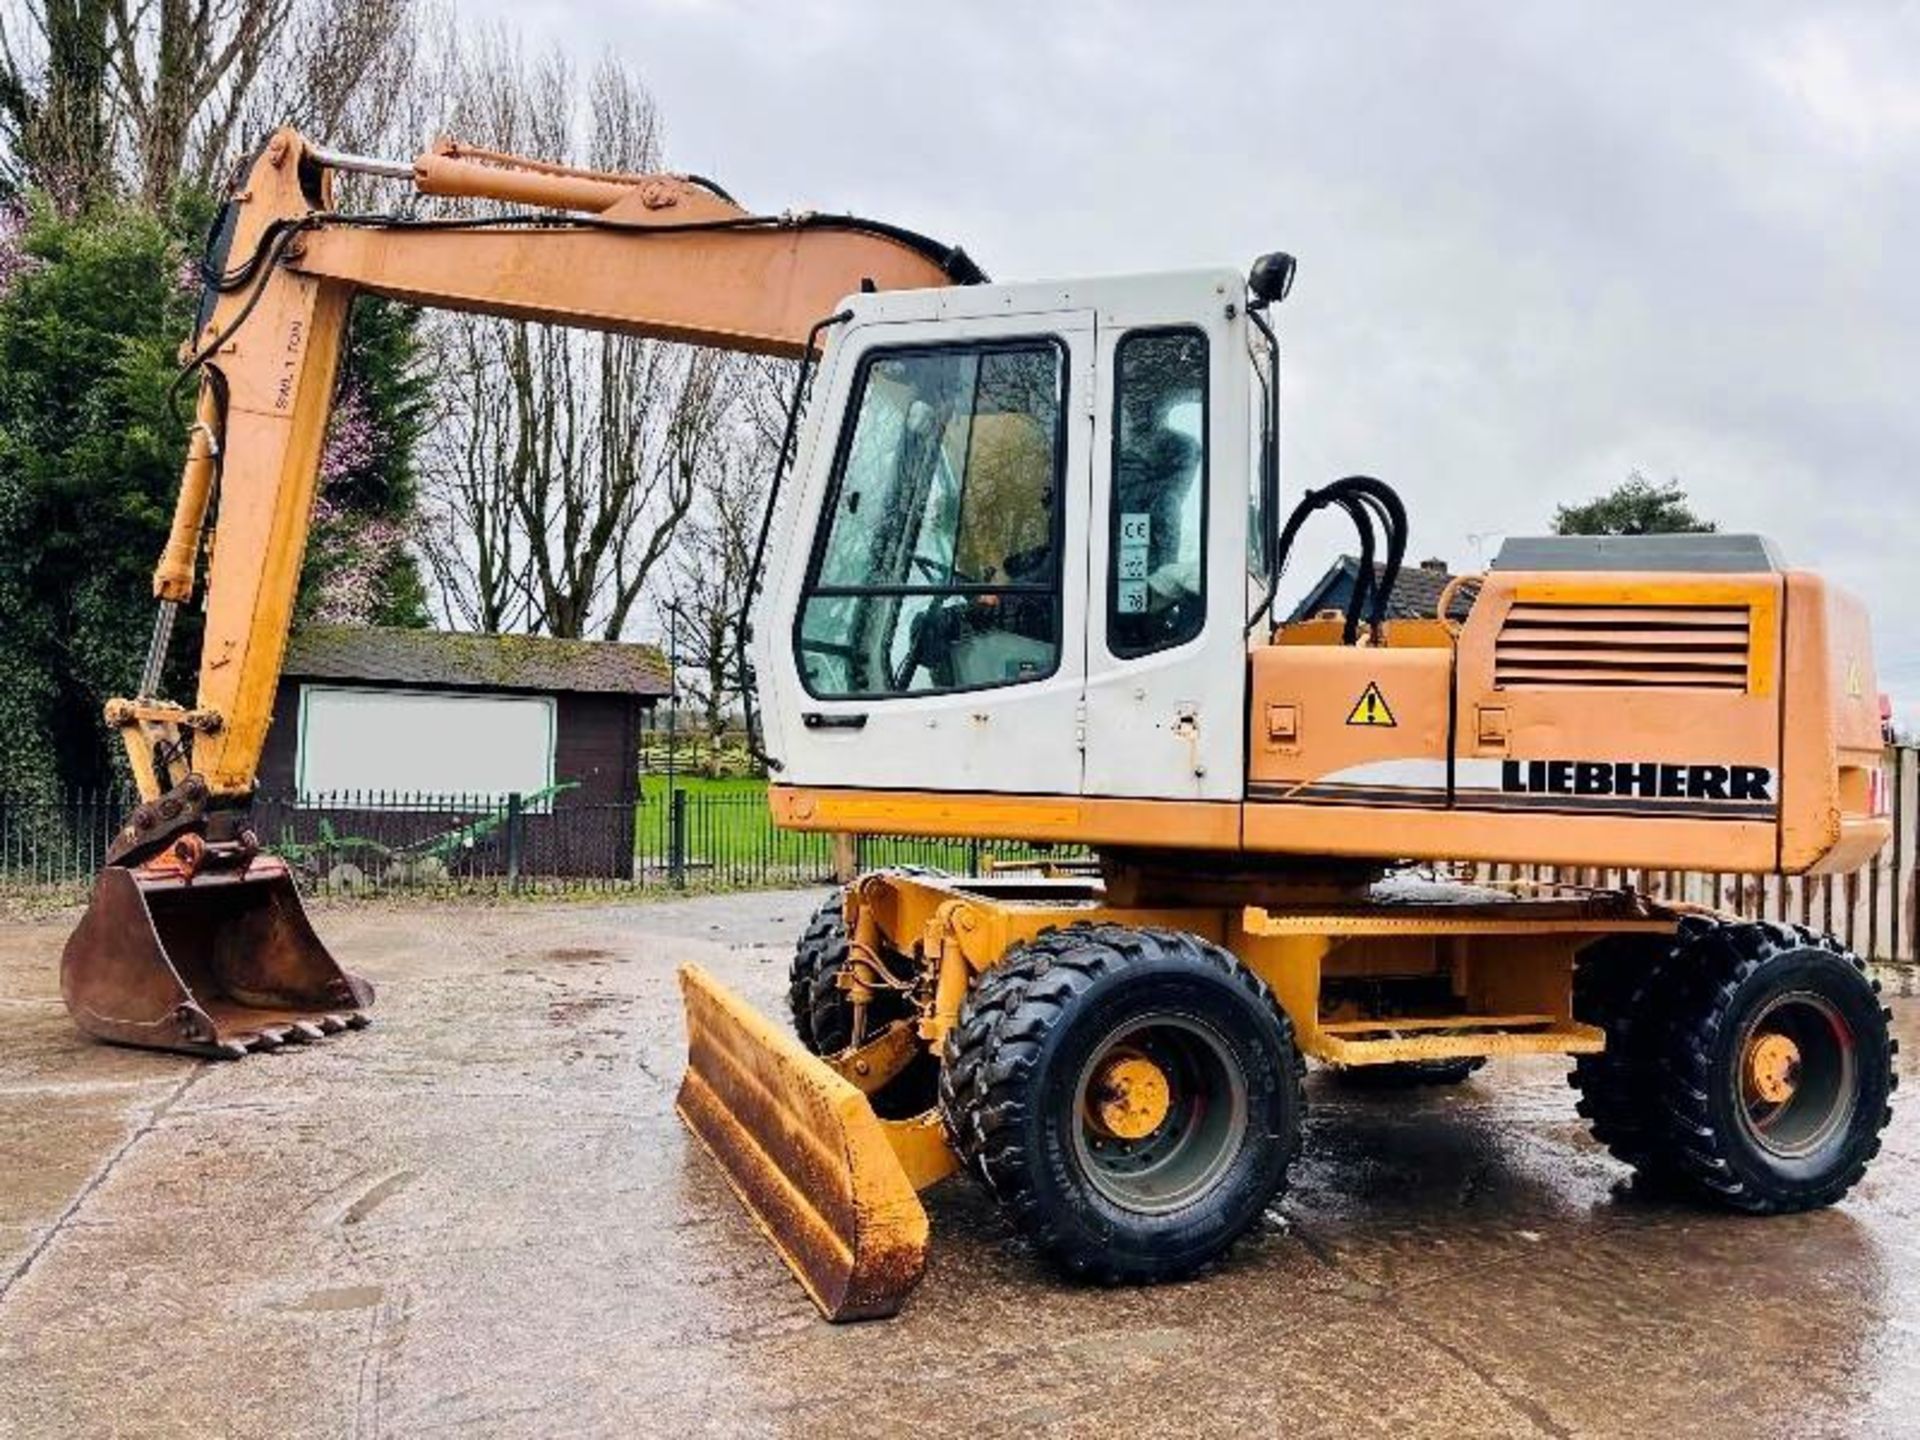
<point x="384" y="842"/>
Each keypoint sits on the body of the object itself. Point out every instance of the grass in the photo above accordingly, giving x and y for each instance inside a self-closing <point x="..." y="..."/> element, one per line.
<point x="727" y="816"/>
<point x="731" y="837"/>
<point x="653" y="786"/>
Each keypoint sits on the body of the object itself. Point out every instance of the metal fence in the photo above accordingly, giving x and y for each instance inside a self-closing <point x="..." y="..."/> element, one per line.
<point x="701" y="839"/>
<point x="396" y="843"/>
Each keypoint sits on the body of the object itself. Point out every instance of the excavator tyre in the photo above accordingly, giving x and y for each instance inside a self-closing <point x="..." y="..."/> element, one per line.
<point x="804" y="1151"/>
<point x="215" y="963"/>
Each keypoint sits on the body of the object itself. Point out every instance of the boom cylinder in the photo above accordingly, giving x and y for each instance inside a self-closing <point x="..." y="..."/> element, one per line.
<point x="456" y="171"/>
<point x="173" y="576"/>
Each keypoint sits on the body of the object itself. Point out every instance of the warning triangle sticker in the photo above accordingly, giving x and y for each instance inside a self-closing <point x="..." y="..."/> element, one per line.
<point x="1371" y="708"/>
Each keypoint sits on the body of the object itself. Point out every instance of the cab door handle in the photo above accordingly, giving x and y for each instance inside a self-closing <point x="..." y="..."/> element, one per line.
<point x="841" y="720"/>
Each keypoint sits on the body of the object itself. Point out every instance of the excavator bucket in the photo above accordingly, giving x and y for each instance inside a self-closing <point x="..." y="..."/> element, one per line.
<point x="217" y="963"/>
<point x="804" y="1151"/>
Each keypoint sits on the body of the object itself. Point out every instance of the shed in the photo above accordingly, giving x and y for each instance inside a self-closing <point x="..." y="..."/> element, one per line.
<point x="1416" y="592"/>
<point x="398" y="736"/>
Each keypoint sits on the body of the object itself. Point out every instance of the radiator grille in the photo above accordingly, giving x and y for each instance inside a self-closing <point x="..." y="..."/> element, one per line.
<point x="1702" y="647"/>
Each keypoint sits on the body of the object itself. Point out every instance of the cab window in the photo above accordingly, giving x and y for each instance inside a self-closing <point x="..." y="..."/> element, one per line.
<point x="938" y="566"/>
<point x="1156" y="590"/>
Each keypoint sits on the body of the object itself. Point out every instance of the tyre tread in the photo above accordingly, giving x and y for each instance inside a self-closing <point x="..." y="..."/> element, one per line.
<point x="993" y="1048"/>
<point x="1718" y="964"/>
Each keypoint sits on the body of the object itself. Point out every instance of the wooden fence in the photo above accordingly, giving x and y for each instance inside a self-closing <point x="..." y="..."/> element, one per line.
<point x="1873" y="909"/>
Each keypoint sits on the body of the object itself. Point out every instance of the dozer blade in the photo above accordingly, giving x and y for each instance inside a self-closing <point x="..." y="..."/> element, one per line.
<point x="216" y="964"/>
<point x="805" y="1152"/>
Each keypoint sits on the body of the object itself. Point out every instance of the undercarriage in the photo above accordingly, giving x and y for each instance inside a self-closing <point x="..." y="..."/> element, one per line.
<point x="1126" y="1077"/>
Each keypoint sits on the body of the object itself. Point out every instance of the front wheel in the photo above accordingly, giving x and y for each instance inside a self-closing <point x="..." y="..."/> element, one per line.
<point x="1131" y="1096"/>
<point x="1779" y="1066"/>
<point x="823" y="1012"/>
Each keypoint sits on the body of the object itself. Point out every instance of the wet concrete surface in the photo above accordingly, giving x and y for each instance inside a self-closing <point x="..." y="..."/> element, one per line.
<point x="481" y="1216"/>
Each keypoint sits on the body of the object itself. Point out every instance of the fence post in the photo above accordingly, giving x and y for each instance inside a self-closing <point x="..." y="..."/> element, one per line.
<point x="843" y="858"/>
<point x="516" y="838"/>
<point x="677" y="840"/>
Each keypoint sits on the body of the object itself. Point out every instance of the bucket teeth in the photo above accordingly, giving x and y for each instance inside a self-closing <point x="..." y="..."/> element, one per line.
<point x="278" y="1036"/>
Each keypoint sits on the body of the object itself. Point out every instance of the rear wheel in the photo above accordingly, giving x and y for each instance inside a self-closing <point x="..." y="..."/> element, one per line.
<point x="1622" y="985"/>
<point x="1131" y="1096"/>
<point x="823" y="1013"/>
<point x="1778" y="1069"/>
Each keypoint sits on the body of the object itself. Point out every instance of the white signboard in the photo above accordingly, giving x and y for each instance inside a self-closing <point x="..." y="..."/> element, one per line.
<point x="418" y="742"/>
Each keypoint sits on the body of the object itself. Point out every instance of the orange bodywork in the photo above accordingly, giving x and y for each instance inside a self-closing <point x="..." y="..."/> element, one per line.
<point x="1665" y="721"/>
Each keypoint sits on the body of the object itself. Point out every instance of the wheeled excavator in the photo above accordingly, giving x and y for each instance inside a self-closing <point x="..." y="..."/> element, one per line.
<point x="1017" y="580"/>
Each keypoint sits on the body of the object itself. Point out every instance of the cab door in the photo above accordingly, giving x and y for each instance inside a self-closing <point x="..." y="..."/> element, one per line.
<point x="930" y="634"/>
<point x="1166" y="661"/>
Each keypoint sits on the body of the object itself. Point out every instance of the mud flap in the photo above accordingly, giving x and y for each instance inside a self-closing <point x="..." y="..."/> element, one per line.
<point x="804" y="1151"/>
<point x="215" y="964"/>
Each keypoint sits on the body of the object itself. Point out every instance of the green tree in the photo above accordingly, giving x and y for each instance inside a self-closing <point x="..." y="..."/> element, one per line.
<point x="92" y="309"/>
<point x="89" y="454"/>
<point x="56" y="125"/>
<point x="1637" y="506"/>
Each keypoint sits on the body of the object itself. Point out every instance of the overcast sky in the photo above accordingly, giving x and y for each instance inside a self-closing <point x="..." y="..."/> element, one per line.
<point x="1540" y="245"/>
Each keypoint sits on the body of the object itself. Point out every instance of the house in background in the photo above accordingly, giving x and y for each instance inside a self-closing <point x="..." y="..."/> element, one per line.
<point x="1416" y="593"/>
<point x="397" y="735"/>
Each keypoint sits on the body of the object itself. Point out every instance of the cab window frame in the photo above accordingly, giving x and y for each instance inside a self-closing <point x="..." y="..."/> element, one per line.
<point x="1054" y="589"/>
<point x="1115" y="646"/>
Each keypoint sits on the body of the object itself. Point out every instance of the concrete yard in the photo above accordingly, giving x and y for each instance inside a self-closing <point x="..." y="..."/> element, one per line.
<point x="481" y="1216"/>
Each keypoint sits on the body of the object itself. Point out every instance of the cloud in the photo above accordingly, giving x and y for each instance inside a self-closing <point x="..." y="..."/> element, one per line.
<point x="1840" y="76"/>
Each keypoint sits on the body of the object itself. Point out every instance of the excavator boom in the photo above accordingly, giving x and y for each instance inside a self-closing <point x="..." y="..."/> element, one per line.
<point x="195" y="940"/>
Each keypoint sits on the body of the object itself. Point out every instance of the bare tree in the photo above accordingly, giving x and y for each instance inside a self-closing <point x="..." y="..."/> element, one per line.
<point x="567" y="460"/>
<point x="56" y="112"/>
<point x="182" y="68"/>
<point x="707" y="577"/>
<point x="470" y="534"/>
<point x="139" y="96"/>
<point x="344" y="72"/>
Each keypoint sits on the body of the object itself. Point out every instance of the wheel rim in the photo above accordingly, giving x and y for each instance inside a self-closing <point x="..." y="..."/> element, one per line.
<point x="1159" y="1114"/>
<point x="1796" y="1075"/>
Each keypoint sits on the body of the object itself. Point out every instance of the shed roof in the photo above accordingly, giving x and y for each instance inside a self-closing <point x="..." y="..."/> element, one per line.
<point x="475" y="662"/>
<point x="1416" y="592"/>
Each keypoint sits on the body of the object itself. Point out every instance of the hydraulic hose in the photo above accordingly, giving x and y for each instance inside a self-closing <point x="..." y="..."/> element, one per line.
<point x="1362" y="497"/>
<point x="1363" y="581"/>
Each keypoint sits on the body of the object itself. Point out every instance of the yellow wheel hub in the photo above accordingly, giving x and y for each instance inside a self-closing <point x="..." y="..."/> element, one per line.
<point x="1129" y="1097"/>
<point x="1773" y="1068"/>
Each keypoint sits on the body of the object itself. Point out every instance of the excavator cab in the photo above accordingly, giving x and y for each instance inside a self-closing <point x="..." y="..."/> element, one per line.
<point x="1024" y="590"/>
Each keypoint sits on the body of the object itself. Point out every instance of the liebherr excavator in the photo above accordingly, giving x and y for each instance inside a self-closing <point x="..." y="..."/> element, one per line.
<point x="1018" y="581"/>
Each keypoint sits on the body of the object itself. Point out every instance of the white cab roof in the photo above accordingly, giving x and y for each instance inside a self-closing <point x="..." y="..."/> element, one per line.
<point x="1175" y="292"/>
